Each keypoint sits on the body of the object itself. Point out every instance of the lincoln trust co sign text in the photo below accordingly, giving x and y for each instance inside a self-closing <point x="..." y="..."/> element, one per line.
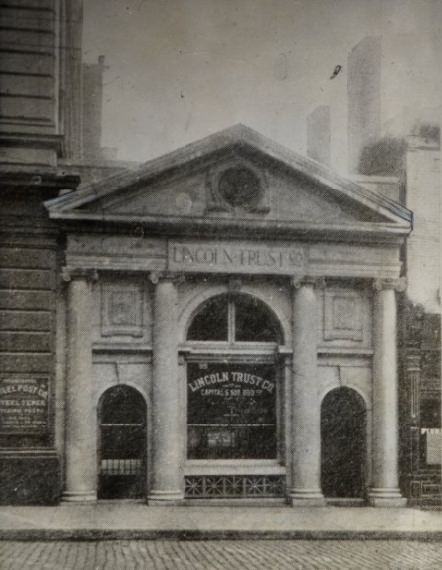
<point x="225" y="257"/>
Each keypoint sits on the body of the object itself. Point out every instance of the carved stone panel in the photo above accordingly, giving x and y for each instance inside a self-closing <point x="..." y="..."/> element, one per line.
<point x="121" y="310"/>
<point x="343" y="315"/>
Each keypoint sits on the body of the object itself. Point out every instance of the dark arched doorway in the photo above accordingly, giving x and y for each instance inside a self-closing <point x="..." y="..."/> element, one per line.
<point x="122" y="444"/>
<point x="343" y="444"/>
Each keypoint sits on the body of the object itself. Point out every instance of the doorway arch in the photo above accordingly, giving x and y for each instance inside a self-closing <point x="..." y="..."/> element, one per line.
<point x="343" y="444"/>
<point x="122" y="444"/>
<point x="234" y="398"/>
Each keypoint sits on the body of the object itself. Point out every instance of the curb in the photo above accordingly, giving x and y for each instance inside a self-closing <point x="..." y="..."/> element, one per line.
<point x="197" y="535"/>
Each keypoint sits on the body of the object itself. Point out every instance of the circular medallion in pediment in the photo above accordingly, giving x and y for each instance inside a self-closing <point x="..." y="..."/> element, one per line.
<point x="240" y="187"/>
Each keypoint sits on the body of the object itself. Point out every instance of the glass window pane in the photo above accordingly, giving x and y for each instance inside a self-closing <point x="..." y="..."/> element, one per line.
<point x="231" y="411"/>
<point x="430" y="432"/>
<point x="211" y="322"/>
<point x="254" y="322"/>
<point x="430" y="412"/>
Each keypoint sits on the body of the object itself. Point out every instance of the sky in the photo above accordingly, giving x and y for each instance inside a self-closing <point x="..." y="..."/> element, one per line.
<point x="179" y="70"/>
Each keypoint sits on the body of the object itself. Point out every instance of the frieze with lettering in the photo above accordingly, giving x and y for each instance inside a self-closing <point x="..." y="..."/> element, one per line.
<point x="226" y="257"/>
<point x="24" y="405"/>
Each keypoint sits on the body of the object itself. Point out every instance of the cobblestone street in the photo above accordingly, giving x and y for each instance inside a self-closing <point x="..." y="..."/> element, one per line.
<point x="221" y="555"/>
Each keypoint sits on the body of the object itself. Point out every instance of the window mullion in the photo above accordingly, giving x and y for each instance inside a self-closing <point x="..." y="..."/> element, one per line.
<point x="231" y="322"/>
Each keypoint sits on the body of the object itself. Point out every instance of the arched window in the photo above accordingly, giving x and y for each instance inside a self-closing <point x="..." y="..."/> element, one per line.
<point x="235" y="318"/>
<point x="232" y="400"/>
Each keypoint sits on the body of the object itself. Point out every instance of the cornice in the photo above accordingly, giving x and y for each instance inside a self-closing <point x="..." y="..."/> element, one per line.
<point x="236" y="228"/>
<point x="51" y="178"/>
<point x="32" y="140"/>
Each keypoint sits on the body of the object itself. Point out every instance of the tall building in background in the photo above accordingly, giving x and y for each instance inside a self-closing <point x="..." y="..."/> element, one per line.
<point x="364" y="97"/>
<point x="319" y="134"/>
<point x="88" y="102"/>
<point x="391" y="92"/>
<point x="92" y="113"/>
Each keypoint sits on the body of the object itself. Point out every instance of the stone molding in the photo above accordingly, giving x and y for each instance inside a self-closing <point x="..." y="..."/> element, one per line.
<point x="74" y="273"/>
<point x="399" y="285"/>
<point x="156" y="276"/>
<point x="308" y="280"/>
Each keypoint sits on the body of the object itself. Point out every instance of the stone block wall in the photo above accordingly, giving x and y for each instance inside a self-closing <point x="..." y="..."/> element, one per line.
<point x="29" y="466"/>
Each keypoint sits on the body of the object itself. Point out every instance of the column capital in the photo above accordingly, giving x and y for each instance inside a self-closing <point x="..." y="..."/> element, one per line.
<point x="298" y="281"/>
<point x="397" y="284"/>
<point x="156" y="276"/>
<point x="72" y="273"/>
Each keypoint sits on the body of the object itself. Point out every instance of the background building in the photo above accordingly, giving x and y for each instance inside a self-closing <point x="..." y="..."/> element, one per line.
<point x="319" y="134"/>
<point x="364" y="98"/>
<point x="390" y="92"/>
<point x="394" y="149"/>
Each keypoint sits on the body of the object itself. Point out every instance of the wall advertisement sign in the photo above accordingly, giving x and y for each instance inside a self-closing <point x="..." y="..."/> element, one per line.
<point x="24" y="405"/>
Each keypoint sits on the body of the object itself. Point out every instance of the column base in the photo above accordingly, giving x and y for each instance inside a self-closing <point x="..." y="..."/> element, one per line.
<point x="386" y="497"/>
<point x="79" y="497"/>
<point x="307" y="498"/>
<point x="164" y="498"/>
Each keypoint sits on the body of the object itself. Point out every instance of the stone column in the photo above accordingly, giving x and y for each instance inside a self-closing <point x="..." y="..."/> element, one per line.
<point x="81" y="421"/>
<point x="306" y="405"/>
<point x="385" y="480"/>
<point x="166" y="464"/>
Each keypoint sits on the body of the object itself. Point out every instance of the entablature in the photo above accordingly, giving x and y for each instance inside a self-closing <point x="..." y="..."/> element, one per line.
<point x="233" y="257"/>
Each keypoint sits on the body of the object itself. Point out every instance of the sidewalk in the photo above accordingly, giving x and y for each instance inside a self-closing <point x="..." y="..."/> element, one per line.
<point x="139" y="521"/>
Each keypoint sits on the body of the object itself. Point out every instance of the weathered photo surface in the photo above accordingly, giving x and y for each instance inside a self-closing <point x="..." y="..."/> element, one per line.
<point x="220" y="281"/>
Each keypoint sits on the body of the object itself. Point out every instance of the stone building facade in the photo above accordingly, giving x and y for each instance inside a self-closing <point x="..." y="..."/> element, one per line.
<point x="237" y="295"/>
<point x="195" y="328"/>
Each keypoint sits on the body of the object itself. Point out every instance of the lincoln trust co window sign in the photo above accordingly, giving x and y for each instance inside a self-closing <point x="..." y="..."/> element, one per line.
<point x="222" y="257"/>
<point x="23" y="405"/>
<point x="231" y="411"/>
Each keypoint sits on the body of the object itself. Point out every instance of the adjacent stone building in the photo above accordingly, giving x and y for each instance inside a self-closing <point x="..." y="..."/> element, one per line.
<point x="40" y="138"/>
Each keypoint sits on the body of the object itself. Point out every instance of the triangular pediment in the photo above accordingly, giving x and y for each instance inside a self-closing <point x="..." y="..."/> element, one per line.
<point x="238" y="177"/>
